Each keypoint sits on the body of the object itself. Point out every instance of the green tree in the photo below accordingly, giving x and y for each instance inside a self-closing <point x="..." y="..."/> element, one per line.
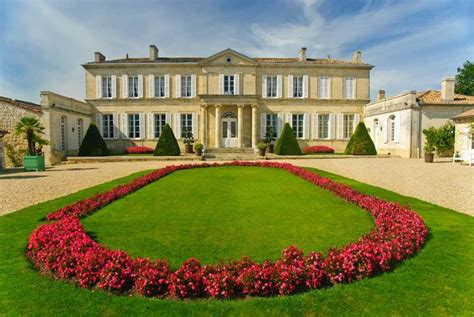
<point x="465" y="79"/>
<point x="287" y="143"/>
<point x="93" y="143"/>
<point x="167" y="144"/>
<point x="360" y="142"/>
<point x="31" y="129"/>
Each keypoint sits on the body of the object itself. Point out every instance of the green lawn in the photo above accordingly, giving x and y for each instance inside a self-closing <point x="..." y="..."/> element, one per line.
<point x="438" y="281"/>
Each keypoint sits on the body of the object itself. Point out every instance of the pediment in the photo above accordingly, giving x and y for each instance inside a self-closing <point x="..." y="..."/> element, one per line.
<point x="228" y="57"/>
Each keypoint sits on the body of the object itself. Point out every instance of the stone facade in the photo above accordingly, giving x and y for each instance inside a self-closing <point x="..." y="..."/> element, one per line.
<point x="220" y="116"/>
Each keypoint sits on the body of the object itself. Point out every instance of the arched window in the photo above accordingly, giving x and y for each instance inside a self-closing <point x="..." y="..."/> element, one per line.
<point x="229" y="114"/>
<point x="80" y="131"/>
<point x="63" y="133"/>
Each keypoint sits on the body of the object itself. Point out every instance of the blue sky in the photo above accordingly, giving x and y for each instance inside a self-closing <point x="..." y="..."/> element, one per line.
<point x="412" y="44"/>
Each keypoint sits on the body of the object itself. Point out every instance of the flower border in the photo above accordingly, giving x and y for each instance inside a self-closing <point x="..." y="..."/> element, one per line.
<point x="63" y="250"/>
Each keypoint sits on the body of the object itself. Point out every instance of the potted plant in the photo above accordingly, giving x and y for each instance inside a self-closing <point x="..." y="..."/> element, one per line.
<point x="269" y="138"/>
<point x="262" y="147"/>
<point x="31" y="129"/>
<point x="430" y="143"/>
<point x="188" y="141"/>
<point x="198" y="147"/>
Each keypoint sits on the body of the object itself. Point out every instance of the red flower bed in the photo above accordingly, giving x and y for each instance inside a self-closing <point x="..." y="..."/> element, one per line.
<point x="318" y="149"/>
<point x="64" y="250"/>
<point x="138" y="150"/>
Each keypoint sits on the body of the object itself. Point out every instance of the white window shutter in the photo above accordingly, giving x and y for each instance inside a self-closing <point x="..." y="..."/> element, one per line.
<point x="236" y="84"/>
<point x="332" y="126"/>
<point x="340" y="128"/>
<point x="114" y="86"/>
<point x="221" y="84"/>
<point x="354" y="88"/>
<point x="150" y="126"/>
<point x="98" y="86"/>
<point x="124" y="126"/>
<point x="177" y="126"/>
<point x="321" y="87"/>
<point x="168" y="119"/>
<point x="345" y="88"/>
<point x="178" y="86"/>
<point x="305" y="86"/>
<point x="263" y="125"/>
<point x="167" y="86"/>
<point x="397" y="128"/>
<point x="115" y="118"/>
<point x="195" y="125"/>
<point x="281" y="123"/>
<point x="315" y="126"/>
<point x="140" y="86"/>
<point x="279" y="86"/>
<point x="98" y="122"/>
<point x="193" y="86"/>
<point x="141" y="117"/>
<point x="290" y="86"/>
<point x="306" y="126"/>
<point x="264" y="86"/>
<point x="151" y="86"/>
<point x="328" y="88"/>
<point x="125" y="86"/>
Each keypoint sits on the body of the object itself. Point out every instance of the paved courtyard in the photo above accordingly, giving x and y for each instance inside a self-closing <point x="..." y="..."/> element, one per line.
<point x="440" y="183"/>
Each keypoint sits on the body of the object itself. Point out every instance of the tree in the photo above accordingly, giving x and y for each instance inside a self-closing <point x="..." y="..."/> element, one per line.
<point x="465" y="79"/>
<point x="360" y="142"/>
<point x="31" y="129"/>
<point x="167" y="144"/>
<point x="93" y="143"/>
<point x="287" y="143"/>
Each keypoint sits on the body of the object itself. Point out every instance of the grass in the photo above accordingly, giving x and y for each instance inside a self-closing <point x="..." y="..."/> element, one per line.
<point x="438" y="281"/>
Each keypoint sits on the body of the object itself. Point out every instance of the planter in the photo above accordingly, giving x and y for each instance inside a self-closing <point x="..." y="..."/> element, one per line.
<point x="429" y="157"/>
<point x="33" y="163"/>
<point x="261" y="151"/>
<point x="198" y="152"/>
<point x="188" y="148"/>
<point x="271" y="148"/>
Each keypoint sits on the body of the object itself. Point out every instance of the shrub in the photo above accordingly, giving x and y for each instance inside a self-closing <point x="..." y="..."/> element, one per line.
<point x="167" y="144"/>
<point x="360" y="142"/>
<point x="445" y="138"/>
<point x="138" y="150"/>
<point x="318" y="149"/>
<point x="93" y="143"/>
<point x="430" y="139"/>
<point x="198" y="147"/>
<point x="287" y="143"/>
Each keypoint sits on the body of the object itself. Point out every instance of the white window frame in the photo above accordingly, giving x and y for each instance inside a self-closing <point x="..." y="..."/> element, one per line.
<point x="324" y="126"/>
<point x="188" y="120"/>
<point x="107" y="87"/>
<point x="326" y="92"/>
<point x="272" y="120"/>
<point x="229" y="84"/>
<point x="186" y="86"/>
<point x="298" y="83"/>
<point x="159" y="121"/>
<point x="348" y="125"/>
<point x="299" y="128"/>
<point x="133" y="87"/>
<point x="107" y="128"/>
<point x="134" y="126"/>
<point x="272" y="86"/>
<point x="160" y="86"/>
<point x="349" y="87"/>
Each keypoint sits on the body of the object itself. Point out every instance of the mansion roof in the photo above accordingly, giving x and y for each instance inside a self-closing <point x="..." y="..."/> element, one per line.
<point x="434" y="97"/>
<point x="465" y="115"/>
<point x="30" y="106"/>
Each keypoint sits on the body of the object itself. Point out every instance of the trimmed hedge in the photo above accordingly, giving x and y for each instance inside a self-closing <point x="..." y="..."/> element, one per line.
<point x="93" y="143"/>
<point x="360" y="142"/>
<point x="287" y="143"/>
<point x="167" y="144"/>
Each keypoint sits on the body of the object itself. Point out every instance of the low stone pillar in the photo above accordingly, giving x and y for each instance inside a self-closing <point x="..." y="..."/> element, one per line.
<point x="218" y="126"/>
<point x="254" y="126"/>
<point x="240" y="118"/>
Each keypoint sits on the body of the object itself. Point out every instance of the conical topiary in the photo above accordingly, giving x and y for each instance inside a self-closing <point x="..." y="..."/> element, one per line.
<point x="287" y="143"/>
<point x="93" y="144"/>
<point x="167" y="144"/>
<point x="360" y="142"/>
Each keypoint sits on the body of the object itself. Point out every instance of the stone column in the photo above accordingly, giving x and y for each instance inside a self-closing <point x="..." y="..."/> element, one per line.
<point x="254" y="126"/>
<point x="240" y="123"/>
<point x="204" y="125"/>
<point x="218" y="126"/>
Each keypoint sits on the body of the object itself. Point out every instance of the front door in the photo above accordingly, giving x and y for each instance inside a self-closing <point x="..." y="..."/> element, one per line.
<point x="229" y="131"/>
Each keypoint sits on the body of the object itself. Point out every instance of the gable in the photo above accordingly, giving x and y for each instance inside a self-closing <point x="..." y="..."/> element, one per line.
<point x="223" y="57"/>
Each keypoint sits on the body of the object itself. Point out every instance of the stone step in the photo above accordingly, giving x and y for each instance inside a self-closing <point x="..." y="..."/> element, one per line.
<point x="230" y="150"/>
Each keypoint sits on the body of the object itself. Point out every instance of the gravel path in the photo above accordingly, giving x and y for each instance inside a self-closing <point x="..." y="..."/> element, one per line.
<point x="439" y="183"/>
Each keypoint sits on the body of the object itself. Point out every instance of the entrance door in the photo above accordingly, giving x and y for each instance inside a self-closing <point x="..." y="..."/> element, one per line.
<point x="229" y="129"/>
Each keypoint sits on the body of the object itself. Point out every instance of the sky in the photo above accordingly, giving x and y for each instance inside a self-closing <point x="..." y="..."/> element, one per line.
<point x="412" y="43"/>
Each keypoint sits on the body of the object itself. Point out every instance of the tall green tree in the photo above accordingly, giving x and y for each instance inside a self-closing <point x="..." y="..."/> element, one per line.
<point x="465" y="79"/>
<point x="31" y="129"/>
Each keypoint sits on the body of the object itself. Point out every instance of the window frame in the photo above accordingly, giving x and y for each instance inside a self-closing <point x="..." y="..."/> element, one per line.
<point x="351" y="80"/>
<point x="272" y="86"/>
<point x="323" y="126"/>
<point x="158" y="124"/>
<point x="188" y="123"/>
<point x="133" y="87"/>
<point x="348" y="125"/>
<point x="298" y="129"/>
<point x="326" y="94"/>
<point x="298" y="86"/>
<point x="159" y="85"/>
<point x="229" y="85"/>
<point x="271" y="120"/>
<point x="107" y="128"/>
<point x="186" y="86"/>
<point x="80" y="131"/>
<point x="106" y="87"/>
<point x="63" y="128"/>
<point x="134" y="126"/>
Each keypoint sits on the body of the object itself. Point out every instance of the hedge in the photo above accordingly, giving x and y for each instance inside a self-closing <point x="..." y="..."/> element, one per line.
<point x="360" y="142"/>
<point x="93" y="144"/>
<point x="167" y="144"/>
<point x="287" y="143"/>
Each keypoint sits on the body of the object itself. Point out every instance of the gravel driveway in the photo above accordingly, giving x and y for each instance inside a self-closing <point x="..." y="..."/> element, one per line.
<point x="439" y="183"/>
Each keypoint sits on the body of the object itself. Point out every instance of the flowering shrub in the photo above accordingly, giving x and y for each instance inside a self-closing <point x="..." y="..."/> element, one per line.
<point x="138" y="150"/>
<point x="64" y="250"/>
<point x="318" y="149"/>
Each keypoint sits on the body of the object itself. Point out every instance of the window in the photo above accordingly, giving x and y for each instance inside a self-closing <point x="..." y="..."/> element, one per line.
<point x="298" y="125"/>
<point x="133" y="87"/>
<point x="185" y="86"/>
<point x="271" y="121"/>
<point x="133" y="125"/>
<point x="106" y="87"/>
<point x="159" y="86"/>
<point x="229" y="85"/>
<point x="348" y="126"/>
<point x="108" y="126"/>
<point x="79" y="131"/>
<point x="349" y="85"/>
<point x="160" y="121"/>
<point x="323" y="87"/>
<point x="272" y="86"/>
<point x="63" y="133"/>
<point x="323" y="126"/>
<point x="186" y="123"/>
<point x="391" y="128"/>
<point x="298" y="86"/>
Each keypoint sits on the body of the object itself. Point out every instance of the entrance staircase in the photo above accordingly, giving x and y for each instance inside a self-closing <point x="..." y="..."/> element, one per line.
<point x="229" y="154"/>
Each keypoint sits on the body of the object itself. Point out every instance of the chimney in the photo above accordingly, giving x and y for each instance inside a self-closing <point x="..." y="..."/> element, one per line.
<point x="98" y="57"/>
<point x="357" y="57"/>
<point x="302" y="54"/>
<point x="447" y="89"/>
<point x="153" y="53"/>
<point x="380" y="95"/>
